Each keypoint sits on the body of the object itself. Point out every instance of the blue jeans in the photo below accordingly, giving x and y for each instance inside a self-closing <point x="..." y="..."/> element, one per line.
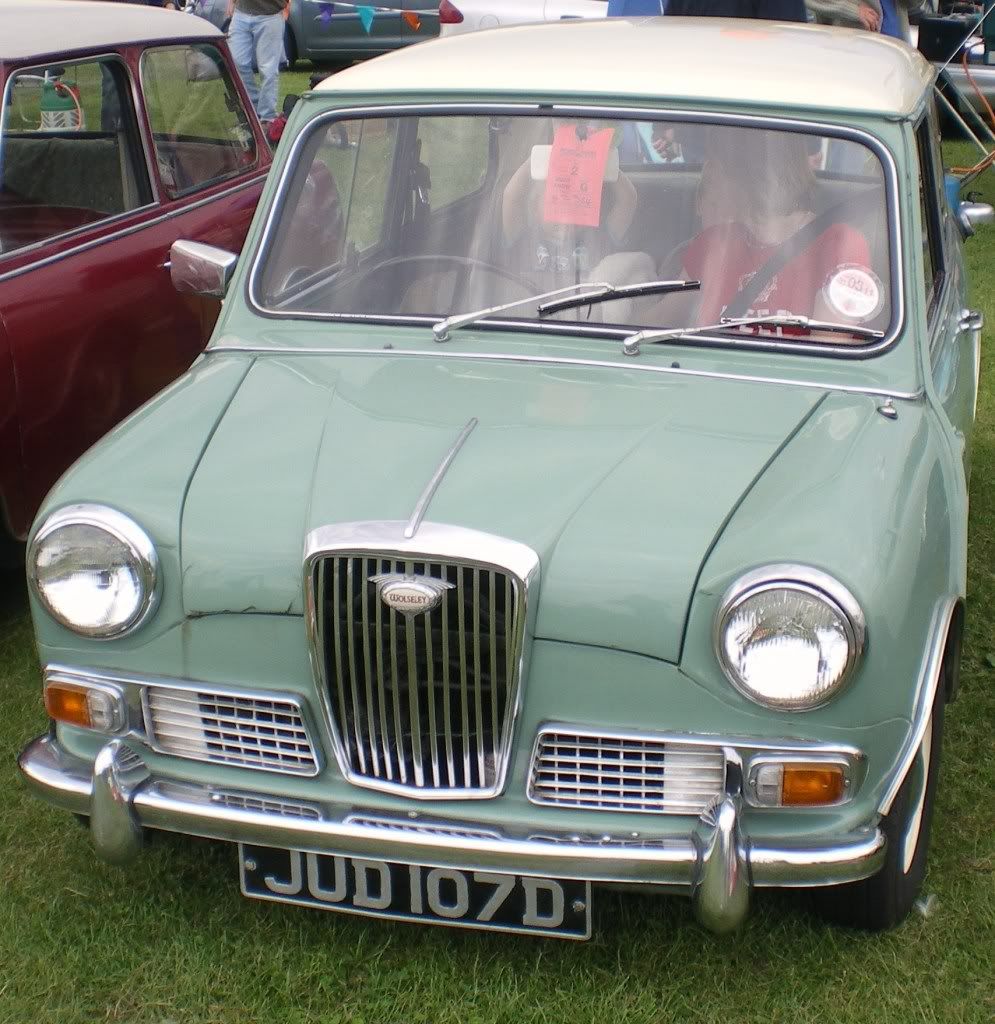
<point x="257" y="39"/>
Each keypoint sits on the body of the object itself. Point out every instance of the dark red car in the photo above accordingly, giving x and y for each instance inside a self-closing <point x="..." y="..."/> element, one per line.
<point x="122" y="128"/>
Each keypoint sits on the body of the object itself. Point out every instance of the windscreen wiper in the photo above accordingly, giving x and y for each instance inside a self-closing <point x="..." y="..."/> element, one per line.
<point x="630" y="346"/>
<point x="597" y="291"/>
<point x="607" y="292"/>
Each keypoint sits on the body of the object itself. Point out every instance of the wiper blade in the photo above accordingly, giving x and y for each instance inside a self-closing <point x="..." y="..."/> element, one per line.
<point x="630" y="346"/>
<point x="444" y="328"/>
<point x="607" y="292"/>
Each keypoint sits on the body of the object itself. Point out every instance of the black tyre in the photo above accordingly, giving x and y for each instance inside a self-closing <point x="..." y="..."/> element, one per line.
<point x="884" y="900"/>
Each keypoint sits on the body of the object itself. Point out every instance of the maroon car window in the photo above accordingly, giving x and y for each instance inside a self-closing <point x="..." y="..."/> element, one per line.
<point x="69" y="151"/>
<point x="200" y="129"/>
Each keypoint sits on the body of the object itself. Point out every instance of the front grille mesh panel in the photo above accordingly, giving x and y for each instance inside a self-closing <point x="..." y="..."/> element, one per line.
<point x="625" y="774"/>
<point x="422" y="701"/>
<point x="248" y="731"/>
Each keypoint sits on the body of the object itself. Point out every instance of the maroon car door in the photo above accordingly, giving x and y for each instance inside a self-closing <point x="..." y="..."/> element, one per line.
<point x="90" y="206"/>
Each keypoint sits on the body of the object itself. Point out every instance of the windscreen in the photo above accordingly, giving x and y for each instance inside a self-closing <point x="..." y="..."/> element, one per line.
<point x="444" y="214"/>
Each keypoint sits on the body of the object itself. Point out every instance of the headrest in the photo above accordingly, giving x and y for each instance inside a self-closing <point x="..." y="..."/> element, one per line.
<point x="539" y="163"/>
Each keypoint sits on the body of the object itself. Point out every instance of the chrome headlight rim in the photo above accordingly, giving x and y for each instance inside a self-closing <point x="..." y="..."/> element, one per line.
<point x="126" y="531"/>
<point x="803" y="579"/>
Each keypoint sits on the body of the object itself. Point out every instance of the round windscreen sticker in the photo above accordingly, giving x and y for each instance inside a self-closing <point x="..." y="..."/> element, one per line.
<point x="854" y="292"/>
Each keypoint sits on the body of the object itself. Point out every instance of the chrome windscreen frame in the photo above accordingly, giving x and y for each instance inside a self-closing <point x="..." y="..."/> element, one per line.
<point x="435" y="542"/>
<point x="593" y="110"/>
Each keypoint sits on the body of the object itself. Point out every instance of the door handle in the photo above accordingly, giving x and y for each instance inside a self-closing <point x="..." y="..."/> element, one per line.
<point x="971" y="320"/>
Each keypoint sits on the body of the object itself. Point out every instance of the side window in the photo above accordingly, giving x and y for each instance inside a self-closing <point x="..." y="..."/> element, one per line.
<point x="200" y="130"/>
<point x="70" y="153"/>
<point x="930" y="197"/>
<point x="455" y="151"/>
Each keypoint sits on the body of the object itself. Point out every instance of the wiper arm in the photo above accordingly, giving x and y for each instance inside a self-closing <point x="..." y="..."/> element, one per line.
<point x="443" y="328"/>
<point x="607" y="292"/>
<point x="630" y="346"/>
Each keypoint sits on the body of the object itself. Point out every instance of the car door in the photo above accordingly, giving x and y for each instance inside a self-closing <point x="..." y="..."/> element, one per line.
<point x="334" y="32"/>
<point x="954" y="329"/>
<point x="94" y="323"/>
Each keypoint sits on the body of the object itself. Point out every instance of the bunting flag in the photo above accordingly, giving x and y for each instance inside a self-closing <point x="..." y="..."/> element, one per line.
<point x="367" y="12"/>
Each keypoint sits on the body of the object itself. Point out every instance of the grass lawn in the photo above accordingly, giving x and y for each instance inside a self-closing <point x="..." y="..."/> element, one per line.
<point x="171" y="940"/>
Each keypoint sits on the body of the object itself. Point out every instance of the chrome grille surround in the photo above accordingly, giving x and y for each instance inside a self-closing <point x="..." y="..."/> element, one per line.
<point x="448" y="736"/>
<point x="626" y="771"/>
<point x="261" y="730"/>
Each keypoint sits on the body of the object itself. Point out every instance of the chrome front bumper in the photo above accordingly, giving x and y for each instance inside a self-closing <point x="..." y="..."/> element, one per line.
<point x="715" y="863"/>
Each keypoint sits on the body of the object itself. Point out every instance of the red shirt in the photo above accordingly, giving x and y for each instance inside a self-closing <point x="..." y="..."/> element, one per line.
<point x="725" y="256"/>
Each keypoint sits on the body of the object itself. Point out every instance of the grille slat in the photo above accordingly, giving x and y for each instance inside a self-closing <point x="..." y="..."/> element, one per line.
<point x="368" y="570"/>
<point x="246" y="731"/>
<point x="434" y="690"/>
<point x="642" y="774"/>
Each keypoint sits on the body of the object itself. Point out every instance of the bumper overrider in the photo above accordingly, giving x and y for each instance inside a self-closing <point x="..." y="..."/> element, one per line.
<point x="715" y="863"/>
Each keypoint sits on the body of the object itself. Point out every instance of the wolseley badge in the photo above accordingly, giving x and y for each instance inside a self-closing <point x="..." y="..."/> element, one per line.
<point x="410" y="595"/>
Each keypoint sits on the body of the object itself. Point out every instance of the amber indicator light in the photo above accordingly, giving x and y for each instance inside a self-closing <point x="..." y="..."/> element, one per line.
<point x="67" y="704"/>
<point x="806" y="785"/>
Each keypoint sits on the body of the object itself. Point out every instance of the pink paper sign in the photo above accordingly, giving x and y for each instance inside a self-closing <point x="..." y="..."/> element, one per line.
<point x="576" y="174"/>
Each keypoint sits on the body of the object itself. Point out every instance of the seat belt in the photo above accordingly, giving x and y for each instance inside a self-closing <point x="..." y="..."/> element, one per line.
<point x="793" y="247"/>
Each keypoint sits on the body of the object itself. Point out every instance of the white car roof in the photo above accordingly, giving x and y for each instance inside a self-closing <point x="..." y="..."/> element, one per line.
<point x="727" y="61"/>
<point x="38" y="28"/>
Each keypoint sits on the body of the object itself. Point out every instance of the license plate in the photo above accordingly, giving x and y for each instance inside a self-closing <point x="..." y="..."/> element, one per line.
<point x="408" y="892"/>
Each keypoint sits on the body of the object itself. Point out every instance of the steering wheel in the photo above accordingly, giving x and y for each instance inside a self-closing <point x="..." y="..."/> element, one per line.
<point x="464" y="263"/>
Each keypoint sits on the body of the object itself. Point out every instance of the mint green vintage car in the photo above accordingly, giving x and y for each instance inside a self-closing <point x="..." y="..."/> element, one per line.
<point x="574" y="492"/>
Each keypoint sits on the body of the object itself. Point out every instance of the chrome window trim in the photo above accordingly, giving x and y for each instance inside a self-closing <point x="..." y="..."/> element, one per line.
<point x="890" y="175"/>
<point x="188" y="43"/>
<point x="806" y="579"/>
<point x="124" y="529"/>
<point x="138" y="111"/>
<point x="792" y="757"/>
<point x="124" y="232"/>
<point x="437" y="542"/>
<point x="222" y="348"/>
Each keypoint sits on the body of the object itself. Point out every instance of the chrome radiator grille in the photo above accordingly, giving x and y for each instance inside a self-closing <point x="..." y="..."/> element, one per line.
<point x="625" y="773"/>
<point x="420" y="701"/>
<point x="253" y="732"/>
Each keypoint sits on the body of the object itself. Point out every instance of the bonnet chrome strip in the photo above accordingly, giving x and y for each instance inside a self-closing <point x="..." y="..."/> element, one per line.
<point x="433" y="485"/>
<point x="677" y="371"/>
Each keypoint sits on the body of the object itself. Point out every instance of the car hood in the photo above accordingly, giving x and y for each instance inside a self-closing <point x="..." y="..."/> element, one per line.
<point x="620" y="480"/>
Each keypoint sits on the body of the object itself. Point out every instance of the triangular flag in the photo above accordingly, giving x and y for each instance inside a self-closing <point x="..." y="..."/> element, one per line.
<point x="326" y="13"/>
<point x="366" y="15"/>
<point x="412" y="20"/>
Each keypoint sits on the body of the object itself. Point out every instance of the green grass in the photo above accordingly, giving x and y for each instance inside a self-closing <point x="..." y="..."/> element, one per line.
<point x="170" y="940"/>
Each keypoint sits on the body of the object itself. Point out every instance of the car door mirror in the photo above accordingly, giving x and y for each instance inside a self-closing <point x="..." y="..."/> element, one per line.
<point x="200" y="269"/>
<point x="970" y="215"/>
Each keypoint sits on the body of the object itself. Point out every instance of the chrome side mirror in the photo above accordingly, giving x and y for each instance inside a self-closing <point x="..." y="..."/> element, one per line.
<point x="970" y="215"/>
<point x="200" y="269"/>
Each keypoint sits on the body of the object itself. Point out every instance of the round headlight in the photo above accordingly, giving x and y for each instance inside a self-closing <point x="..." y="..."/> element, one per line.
<point x="94" y="570"/>
<point x="789" y="639"/>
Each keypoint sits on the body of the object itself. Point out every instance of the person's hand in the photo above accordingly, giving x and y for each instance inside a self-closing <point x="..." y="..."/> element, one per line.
<point x="869" y="18"/>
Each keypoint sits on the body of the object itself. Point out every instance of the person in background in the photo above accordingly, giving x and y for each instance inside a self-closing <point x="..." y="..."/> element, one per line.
<point x="256" y="38"/>
<point x="864" y="14"/>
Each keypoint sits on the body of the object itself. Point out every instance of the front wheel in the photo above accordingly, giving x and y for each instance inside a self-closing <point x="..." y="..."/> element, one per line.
<point x="884" y="900"/>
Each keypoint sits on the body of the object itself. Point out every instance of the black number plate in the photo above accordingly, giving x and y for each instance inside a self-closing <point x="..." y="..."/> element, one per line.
<point x="407" y="892"/>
